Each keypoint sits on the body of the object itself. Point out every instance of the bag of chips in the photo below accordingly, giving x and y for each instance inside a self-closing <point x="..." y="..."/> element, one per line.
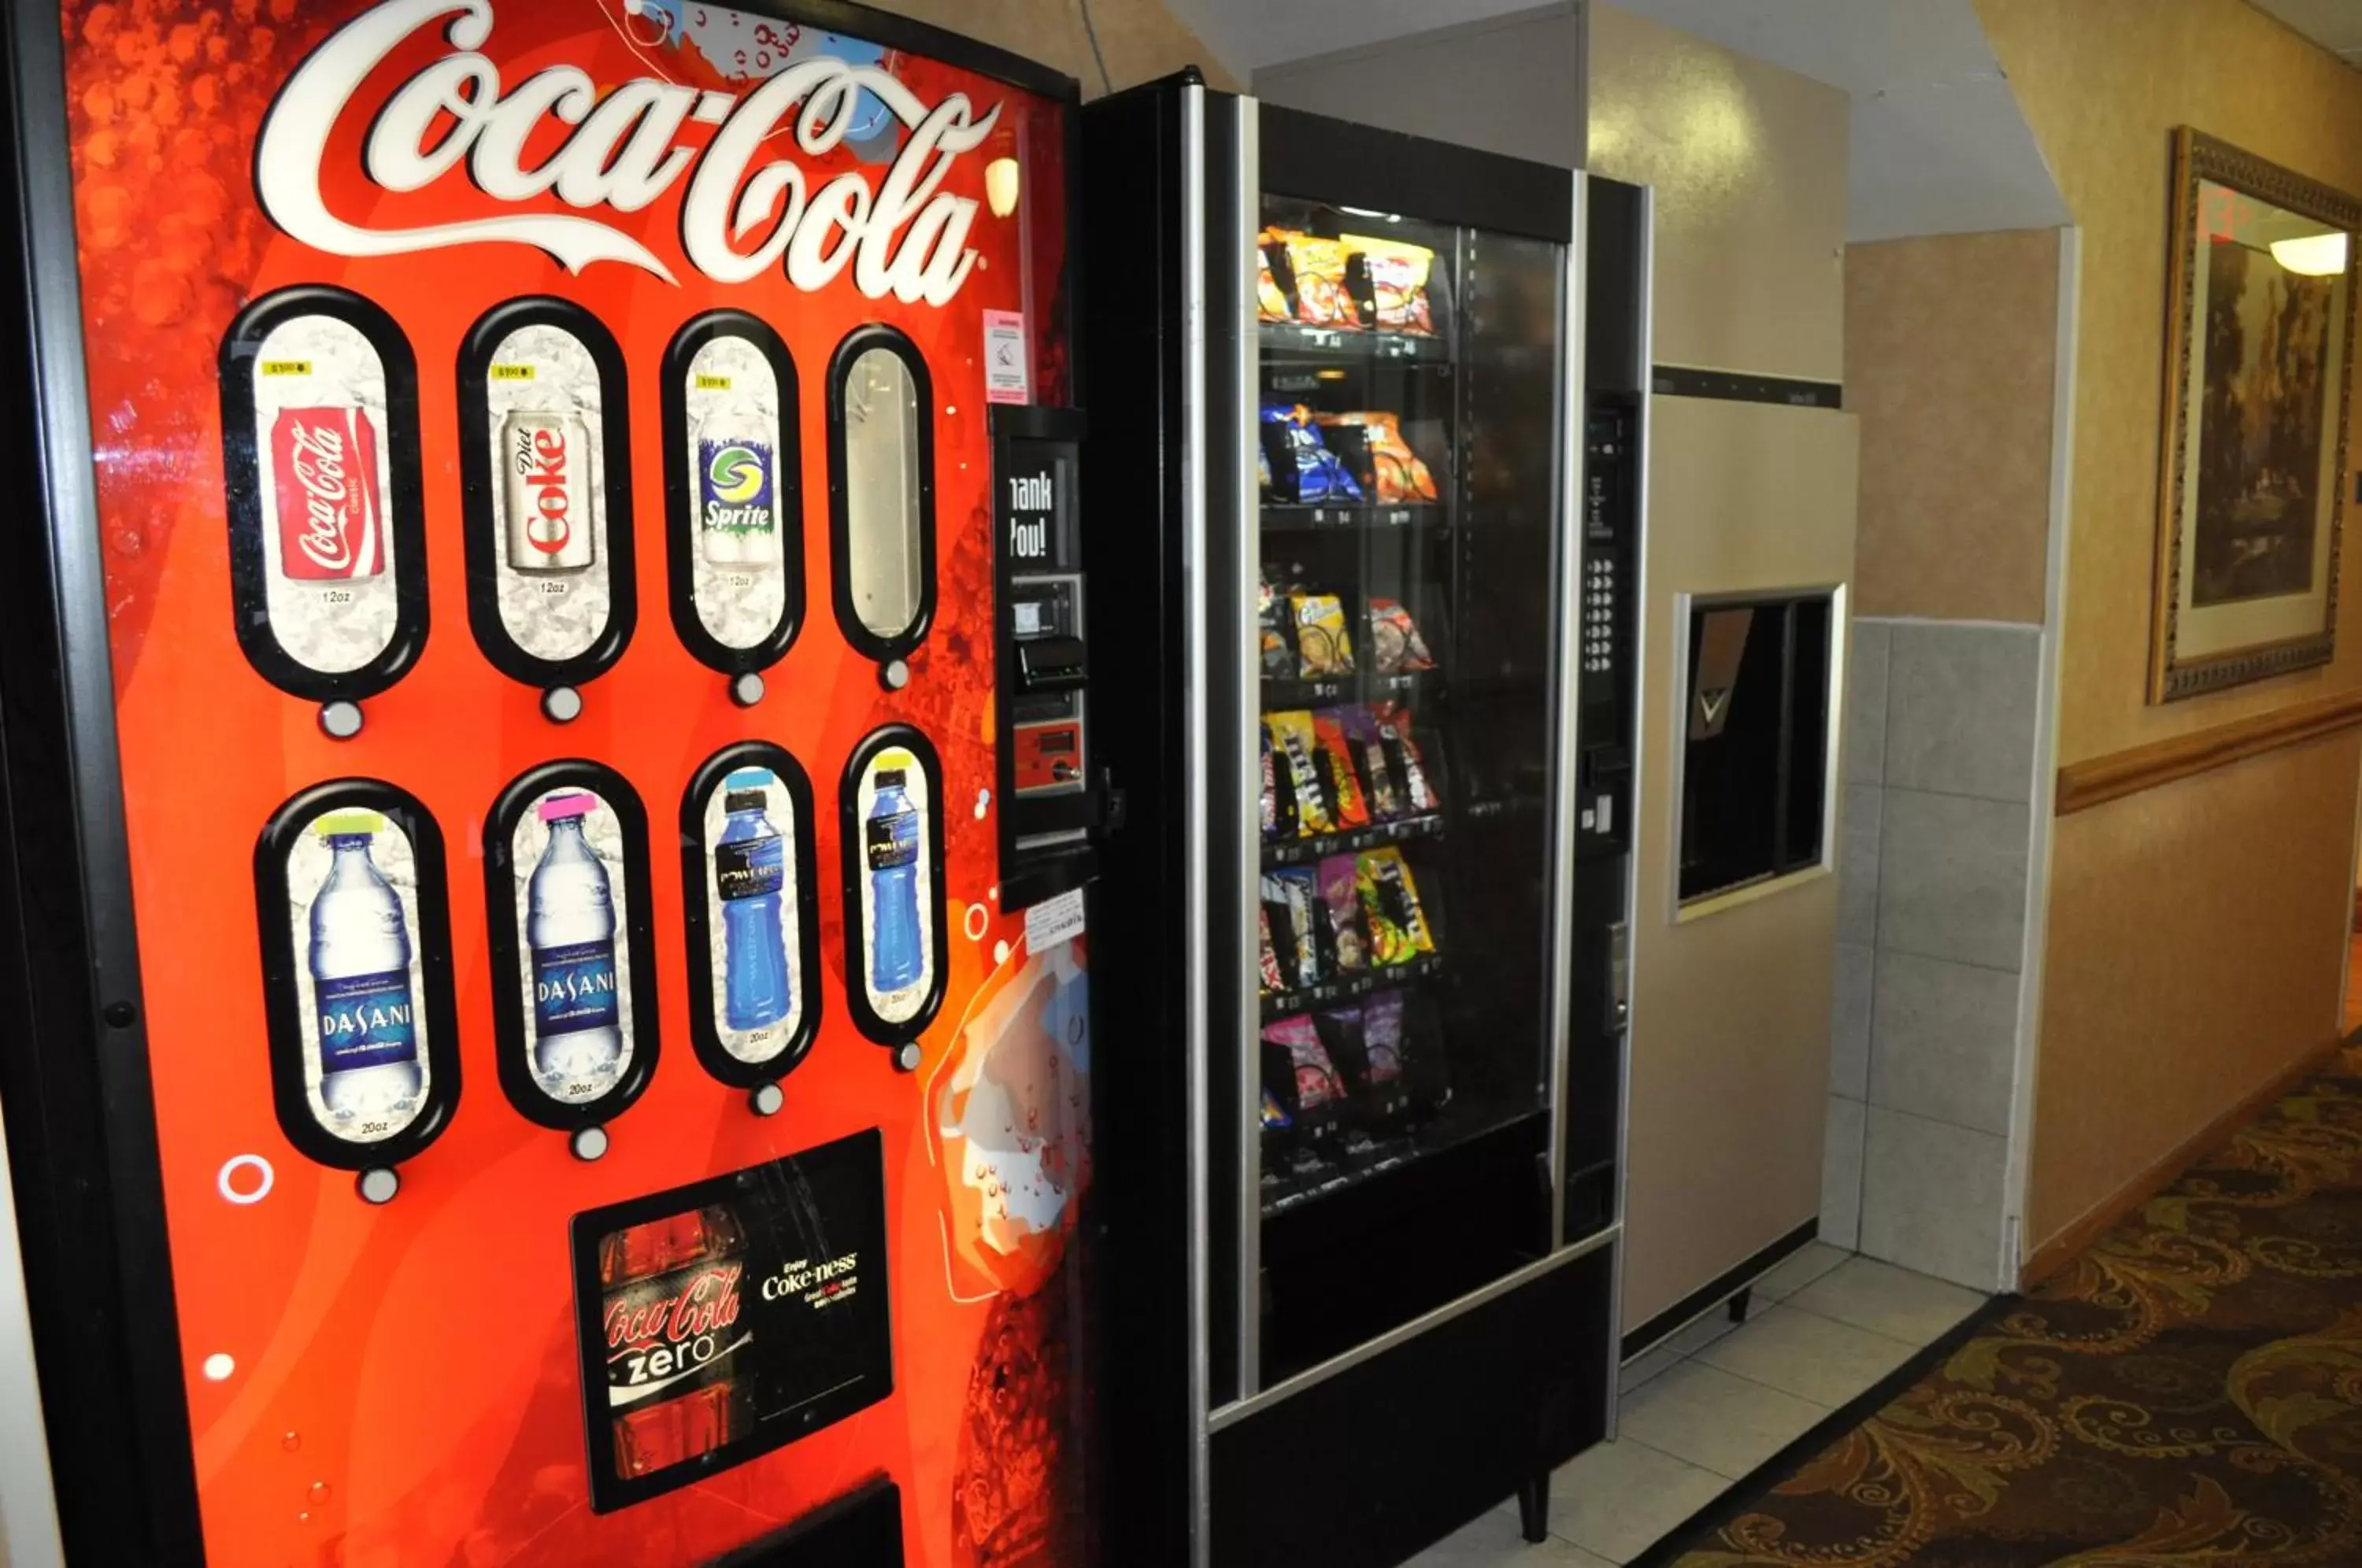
<point x="1298" y="800"/>
<point x="1271" y="299"/>
<point x="1395" y="647"/>
<point x="1323" y="646"/>
<point x="1372" y="1067"/>
<point x="1398" y="931"/>
<point x="1275" y="647"/>
<point x="1398" y="476"/>
<point x="1336" y="760"/>
<point x="1299" y="1074"/>
<point x="1322" y="298"/>
<point x="1292" y="896"/>
<point x="1398" y="275"/>
<point x="1304" y="470"/>
<point x="1269" y="803"/>
<point x="1403" y="762"/>
<point x="1340" y="896"/>
<point x="1266" y="959"/>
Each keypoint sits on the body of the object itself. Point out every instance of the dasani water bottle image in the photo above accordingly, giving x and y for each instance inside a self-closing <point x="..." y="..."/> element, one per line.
<point x="750" y="866"/>
<point x="578" y="1035"/>
<point x="371" y="1079"/>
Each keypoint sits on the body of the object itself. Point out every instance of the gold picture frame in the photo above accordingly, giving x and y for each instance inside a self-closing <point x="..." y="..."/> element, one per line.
<point x="2260" y="289"/>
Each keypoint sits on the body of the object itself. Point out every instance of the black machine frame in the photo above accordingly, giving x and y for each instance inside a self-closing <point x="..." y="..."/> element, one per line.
<point x="80" y="1108"/>
<point x="1428" y="1424"/>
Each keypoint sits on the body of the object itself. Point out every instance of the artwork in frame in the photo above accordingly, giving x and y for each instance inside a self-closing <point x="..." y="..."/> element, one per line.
<point x="2259" y="345"/>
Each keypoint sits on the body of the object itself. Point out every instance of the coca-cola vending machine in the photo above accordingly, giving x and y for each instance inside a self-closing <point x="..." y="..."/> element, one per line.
<point x="544" y="717"/>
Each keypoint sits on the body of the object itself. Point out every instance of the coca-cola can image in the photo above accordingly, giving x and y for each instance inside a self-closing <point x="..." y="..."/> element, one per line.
<point x="324" y="486"/>
<point x="546" y="474"/>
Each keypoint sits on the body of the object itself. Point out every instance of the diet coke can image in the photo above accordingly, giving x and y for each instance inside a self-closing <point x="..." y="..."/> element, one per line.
<point x="546" y="471"/>
<point x="324" y="489"/>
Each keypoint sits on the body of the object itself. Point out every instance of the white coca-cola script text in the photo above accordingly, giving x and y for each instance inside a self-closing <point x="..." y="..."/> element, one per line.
<point x="739" y="218"/>
<point x="319" y="465"/>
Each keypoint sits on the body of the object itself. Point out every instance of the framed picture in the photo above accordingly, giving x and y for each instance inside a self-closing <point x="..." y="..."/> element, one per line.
<point x="2259" y="345"/>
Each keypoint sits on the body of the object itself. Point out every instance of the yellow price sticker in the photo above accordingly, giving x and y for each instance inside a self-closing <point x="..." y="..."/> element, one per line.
<point x="512" y="372"/>
<point x="286" y="366"/>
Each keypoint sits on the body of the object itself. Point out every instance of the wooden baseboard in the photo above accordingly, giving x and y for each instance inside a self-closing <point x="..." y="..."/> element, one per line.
<point x="2059" y="1250"/>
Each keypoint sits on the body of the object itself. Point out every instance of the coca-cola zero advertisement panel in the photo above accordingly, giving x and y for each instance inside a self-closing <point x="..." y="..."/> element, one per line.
<point x="481" y="387"/>
<point x="720" y="1321"/>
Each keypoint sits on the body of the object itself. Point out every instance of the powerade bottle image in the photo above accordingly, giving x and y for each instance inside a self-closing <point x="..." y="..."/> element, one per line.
<point x="891" y="836"/>
<point x="750" y="868"/>
<point x="369" y="1077"/>
<point x="577" y="1037"/>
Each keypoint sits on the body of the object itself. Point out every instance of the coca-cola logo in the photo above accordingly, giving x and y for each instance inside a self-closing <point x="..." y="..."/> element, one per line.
<point x="739" y="216"/>
<point x="319" y="470"/>
<point x="706" y="1300"/>
<point x="541" y="462"/>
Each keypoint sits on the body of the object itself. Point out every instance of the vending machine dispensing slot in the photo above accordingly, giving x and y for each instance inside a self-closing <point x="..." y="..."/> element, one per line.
<point x="1050" y="800"/>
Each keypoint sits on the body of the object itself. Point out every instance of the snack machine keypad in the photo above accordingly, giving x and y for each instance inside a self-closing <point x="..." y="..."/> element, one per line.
<point x="1607" y="622"/>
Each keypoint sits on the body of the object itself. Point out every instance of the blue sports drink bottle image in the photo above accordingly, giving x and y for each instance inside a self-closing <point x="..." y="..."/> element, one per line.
<point x="370" y="1077"/>
<point x="891" y="837"/>
<point x="750" y="872"/>
<point x="578" y="1035"/>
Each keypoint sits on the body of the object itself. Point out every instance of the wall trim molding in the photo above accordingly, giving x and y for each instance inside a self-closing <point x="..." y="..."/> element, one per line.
<point x="2061" y="1249"/>
<point x="2097" y="780"/>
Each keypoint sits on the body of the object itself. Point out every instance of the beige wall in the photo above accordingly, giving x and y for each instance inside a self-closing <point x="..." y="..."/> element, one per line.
<point x="1730" y="1012"/>
<point x="2195" y="931"/>
<point x="1950" y="350"/>
<point x="1748" y="163"/>
<point x="1141" y="38"/>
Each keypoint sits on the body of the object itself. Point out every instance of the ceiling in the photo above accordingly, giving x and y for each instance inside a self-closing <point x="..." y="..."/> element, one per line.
<point x="2335" y="25"/>
<point x="1938" y="143"/>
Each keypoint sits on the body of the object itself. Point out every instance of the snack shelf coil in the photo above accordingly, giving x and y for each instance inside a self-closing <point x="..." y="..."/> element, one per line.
<point x="1294" y="340"/>
<point x="1388" y="976"/>
<point x="1362" y="1172"/>
<point x="1312" y="851"/>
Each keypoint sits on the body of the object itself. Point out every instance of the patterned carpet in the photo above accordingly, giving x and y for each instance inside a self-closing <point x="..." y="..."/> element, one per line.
<point x="2187" y="1391"/>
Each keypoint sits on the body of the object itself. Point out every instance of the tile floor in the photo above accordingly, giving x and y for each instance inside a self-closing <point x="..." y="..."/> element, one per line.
<point x="1705" y="1407"/>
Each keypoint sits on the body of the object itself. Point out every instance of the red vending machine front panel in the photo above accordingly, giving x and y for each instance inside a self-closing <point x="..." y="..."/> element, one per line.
<point x="605" y="1112"/>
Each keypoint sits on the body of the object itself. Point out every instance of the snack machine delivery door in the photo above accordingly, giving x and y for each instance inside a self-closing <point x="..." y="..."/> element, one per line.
<point x="580" y="1094"/>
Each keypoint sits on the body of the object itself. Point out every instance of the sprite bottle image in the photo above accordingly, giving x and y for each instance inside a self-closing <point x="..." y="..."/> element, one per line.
<point x="750" y="868"/>
<point x="366" y="1008"/>
<point x="578" y="1036"/>
<point x="891" y="839"/>
<point x="737" y="490"/>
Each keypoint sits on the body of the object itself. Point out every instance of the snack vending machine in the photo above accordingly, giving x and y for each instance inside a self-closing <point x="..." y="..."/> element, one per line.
<point x="551" y="781"/>
<point x="1364" y="1221"/>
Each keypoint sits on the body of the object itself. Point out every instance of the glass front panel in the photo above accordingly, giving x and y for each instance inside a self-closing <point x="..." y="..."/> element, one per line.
<point x="1409" y="425"/>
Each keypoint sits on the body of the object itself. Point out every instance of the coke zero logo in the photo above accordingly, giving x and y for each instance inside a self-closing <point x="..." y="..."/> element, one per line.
<point x="319" y="470"/>
<point x="708" y="1300"/>
<point x="738" y="217"/>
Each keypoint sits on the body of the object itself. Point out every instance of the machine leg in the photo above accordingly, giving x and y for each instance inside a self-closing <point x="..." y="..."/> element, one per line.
<point x="1533" y="1508"/>
<point x="1738" y="1304"/>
